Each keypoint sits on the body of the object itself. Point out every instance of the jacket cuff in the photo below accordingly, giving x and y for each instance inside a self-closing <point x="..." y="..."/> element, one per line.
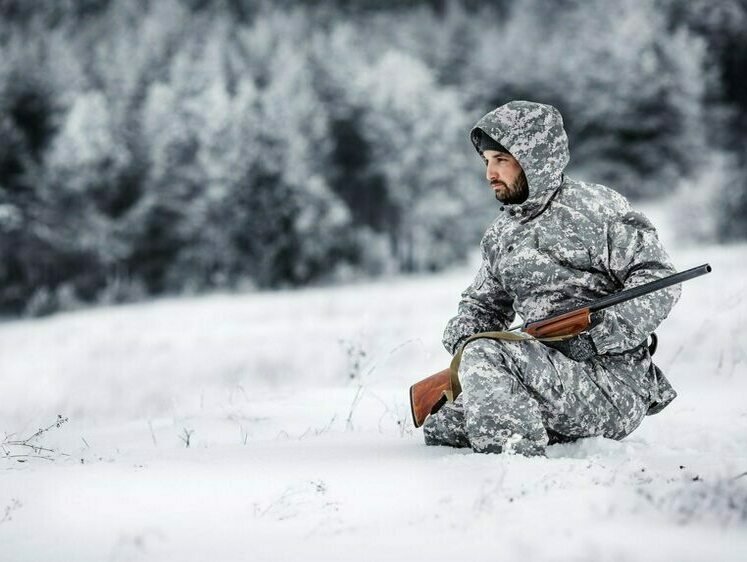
<point x="605" y="334"/>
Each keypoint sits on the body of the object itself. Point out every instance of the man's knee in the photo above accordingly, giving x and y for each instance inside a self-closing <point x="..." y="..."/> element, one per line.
<point x="483" y="361"/>
<point x="484" y="349"/>
<point x="486" y="373"/>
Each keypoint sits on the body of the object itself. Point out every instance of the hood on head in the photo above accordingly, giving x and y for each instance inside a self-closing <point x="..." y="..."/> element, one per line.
<point x="533" y="133"/>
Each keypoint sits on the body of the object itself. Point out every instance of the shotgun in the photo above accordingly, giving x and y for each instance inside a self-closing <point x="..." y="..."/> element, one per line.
<point x="428" y="395"/>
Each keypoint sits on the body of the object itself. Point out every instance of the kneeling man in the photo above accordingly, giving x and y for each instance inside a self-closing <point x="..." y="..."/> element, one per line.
<point x="557" y="244"/>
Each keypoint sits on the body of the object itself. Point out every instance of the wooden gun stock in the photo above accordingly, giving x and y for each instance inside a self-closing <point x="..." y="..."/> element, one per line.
<point x="427" y="396"/>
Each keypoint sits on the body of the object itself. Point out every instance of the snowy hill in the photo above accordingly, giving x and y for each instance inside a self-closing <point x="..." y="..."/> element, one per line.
<point x="294" y="407"/>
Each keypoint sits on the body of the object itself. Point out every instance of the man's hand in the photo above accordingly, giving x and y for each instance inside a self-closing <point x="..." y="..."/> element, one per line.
<point x="578" y="348"/>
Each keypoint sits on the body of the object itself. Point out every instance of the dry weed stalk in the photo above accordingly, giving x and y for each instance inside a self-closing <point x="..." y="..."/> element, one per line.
<point x="24" y="449"/>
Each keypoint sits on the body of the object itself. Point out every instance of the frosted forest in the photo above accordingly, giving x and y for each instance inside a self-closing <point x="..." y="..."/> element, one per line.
<point x="232" y="233"/>
<point x="151" y="148"/>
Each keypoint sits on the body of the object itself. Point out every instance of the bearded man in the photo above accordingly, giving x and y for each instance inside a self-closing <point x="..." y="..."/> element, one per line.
<point x="557" y="244"/>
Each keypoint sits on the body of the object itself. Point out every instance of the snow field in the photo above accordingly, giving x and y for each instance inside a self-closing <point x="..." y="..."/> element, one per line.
<point x="300" y="443"/>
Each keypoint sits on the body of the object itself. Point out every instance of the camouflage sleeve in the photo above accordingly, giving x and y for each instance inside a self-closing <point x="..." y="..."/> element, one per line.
<point x="484" y="307"/>
<point x="636" y="256"/>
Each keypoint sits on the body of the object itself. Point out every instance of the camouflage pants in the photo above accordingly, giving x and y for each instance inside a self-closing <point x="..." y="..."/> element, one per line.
<point x="521" y="396"/>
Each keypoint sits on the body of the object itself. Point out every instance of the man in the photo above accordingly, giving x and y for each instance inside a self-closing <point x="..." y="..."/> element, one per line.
<point x="557" y="243"/>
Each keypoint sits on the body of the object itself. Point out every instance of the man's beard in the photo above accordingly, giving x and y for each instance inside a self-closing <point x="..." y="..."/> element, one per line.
<point x="518" y="191"/>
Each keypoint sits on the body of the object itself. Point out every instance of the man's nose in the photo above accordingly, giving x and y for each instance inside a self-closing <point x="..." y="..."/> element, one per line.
<point x="491" y="173"/>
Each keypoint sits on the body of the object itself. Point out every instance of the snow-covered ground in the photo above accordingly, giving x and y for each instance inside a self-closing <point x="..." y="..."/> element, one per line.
<point x="294" y="406"/>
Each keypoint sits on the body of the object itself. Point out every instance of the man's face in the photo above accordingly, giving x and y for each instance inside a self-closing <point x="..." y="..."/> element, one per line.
<point x="506" y="177"/>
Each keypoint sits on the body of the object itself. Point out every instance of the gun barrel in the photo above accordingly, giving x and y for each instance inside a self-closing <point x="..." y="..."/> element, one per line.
<point x="650" y="287"/>
<point x="634" y="292"/>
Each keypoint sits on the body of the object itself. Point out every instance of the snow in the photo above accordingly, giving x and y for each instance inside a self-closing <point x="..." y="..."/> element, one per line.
<point x="301" y="444"/>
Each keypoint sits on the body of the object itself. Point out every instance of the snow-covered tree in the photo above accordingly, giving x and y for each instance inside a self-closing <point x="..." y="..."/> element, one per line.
<point x="177" y="145"/>
<point x="33" y="256"/>
<point x="418" y="135"/>
<point x="85" y="168"/>
<point x="298" y="221"/>
<point x="630" y="90"/>
<point x="721" y="25"/>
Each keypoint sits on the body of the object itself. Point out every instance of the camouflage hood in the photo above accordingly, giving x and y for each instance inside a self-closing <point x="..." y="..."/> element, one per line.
<point x="533" y="133"/>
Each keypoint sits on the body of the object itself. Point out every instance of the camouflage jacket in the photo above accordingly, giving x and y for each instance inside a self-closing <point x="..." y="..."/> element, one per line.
<point x="569" y="243"/>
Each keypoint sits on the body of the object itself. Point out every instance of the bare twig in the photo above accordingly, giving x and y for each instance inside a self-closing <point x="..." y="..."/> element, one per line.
<point x="14" y="448"/>
<point x="319" y="430"/>
<point x="14" y="504"/>
<point x="152" y="433"/>
<point x="24" y="458"/>
<point x="395" y="413"/>
<point x="60" y="420"/>
<point x="34" y="448"/>
<point x="186" y="436"/>
<point x="356" y="354"/>
<point x="353" y="405"/>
